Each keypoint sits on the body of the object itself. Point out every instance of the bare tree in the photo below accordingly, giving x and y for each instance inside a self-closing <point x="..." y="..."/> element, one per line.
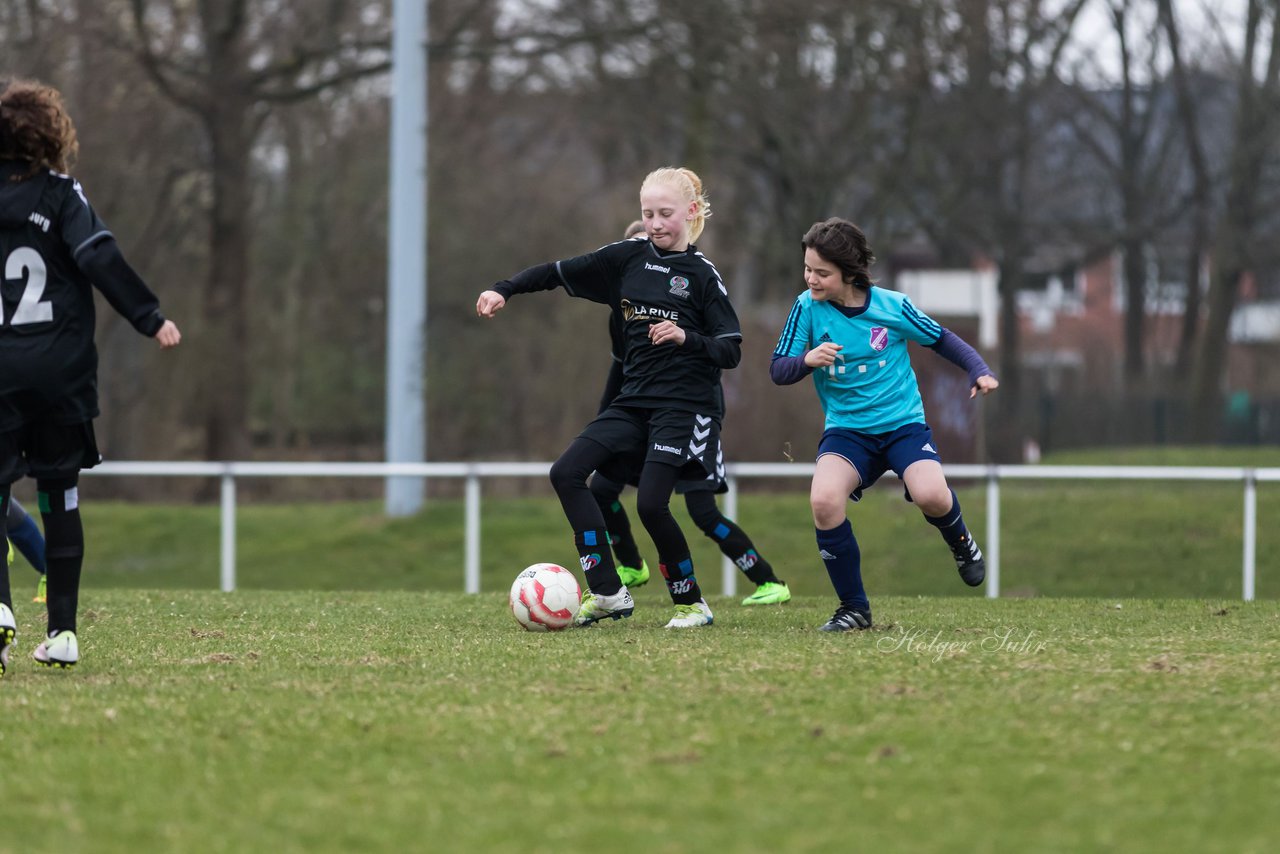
<point x="1128" y="132"/>
<point x="984" y="112"/>
<point x="1253" y="147"/>
<point x="1201" y="193"/>
<point x="229" y="63"/>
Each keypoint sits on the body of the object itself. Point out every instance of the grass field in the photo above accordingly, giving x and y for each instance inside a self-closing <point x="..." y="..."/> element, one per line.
<point x="348" y="698"/>
<point x="313" y="721"/>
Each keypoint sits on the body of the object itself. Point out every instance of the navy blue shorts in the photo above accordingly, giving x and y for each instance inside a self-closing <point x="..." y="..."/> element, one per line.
<point x="873" y="454"/>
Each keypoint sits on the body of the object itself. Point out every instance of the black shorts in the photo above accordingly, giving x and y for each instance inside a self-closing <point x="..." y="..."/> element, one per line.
<point x="704" y="483"/>
<point x="687" y="440"/>
<point x="47" y="451"/>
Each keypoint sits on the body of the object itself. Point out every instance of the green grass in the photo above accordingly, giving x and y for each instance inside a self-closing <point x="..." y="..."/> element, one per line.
<point x="370" y="721"/>
<point x="347" y="698"/>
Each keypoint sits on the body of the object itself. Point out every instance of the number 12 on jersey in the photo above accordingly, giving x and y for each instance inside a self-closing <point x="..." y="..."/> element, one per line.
<point x="31" y="309"/>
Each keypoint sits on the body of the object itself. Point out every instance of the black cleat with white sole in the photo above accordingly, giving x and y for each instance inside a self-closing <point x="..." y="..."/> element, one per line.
<point x="969" y="561"/>
<point x="847" y="620"/>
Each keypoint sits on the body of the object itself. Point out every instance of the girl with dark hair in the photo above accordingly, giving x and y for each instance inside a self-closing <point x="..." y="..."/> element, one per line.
<point x="852" y="337"/>
<point x="53" y="251"/>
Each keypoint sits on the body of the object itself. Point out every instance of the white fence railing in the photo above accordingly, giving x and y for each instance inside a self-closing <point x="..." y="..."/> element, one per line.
<point x="473" y="473"/>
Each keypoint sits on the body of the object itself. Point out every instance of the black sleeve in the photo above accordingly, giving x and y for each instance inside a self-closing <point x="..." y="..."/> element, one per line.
<point x="102" y="262"/>
<point x="721" y="339"/>
<point x="724" y="352"/>
<point x="597" y="276"/>
<point x="78" y="223"/>
<point x="540" y="277"/>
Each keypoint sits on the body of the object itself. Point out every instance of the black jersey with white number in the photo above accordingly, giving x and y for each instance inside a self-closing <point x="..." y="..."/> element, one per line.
<point x="48" y="362"/>
<point x="644" y="285"/>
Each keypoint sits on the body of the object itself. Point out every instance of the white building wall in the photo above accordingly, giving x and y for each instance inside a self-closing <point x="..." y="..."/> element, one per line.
<point x="956" y="293"/>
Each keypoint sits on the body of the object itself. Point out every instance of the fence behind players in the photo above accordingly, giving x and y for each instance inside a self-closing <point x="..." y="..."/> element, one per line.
<point x="228" y="473"/>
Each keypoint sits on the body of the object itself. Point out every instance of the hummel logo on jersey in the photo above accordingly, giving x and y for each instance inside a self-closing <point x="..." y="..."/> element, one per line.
<point x="826" y="555"/>
<point x="928" y="447"/>
<point x="665" y="448"/>
<point x="42" y="221"/>
<point x="656" y="268"/>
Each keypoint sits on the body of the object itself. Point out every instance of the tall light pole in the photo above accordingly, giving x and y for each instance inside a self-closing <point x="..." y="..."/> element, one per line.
<point x="406" y="412"/>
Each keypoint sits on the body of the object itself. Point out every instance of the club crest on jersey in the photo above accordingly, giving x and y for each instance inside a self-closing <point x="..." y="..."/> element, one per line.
<point x="879" y="338"/>
<point x="680" y="286"/>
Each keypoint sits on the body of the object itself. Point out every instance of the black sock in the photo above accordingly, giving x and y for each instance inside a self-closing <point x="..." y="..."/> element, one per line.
<point x="569" y="478"/>
<point x="597" y="562"/>
<point x="6" y="595"/>
<point x="839" y="550"/>
<point x="732" y="540"/>
<point x="653" y="503"/>
<point x="682" y="584"/>
<point x="64" y="550"/>
<point x="607" y="494"/>
<point x="950" y="524"/>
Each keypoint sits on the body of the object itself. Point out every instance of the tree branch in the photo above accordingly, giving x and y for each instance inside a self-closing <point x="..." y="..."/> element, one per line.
<point x="155" y="67"/>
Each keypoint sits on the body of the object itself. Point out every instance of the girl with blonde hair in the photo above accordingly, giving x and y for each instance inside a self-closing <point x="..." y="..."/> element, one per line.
<point x="680" y="331"/>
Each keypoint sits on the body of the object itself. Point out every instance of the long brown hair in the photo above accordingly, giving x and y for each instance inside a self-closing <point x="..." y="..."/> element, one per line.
<point x="843" y="244"/>
<point x="35" y="127"/>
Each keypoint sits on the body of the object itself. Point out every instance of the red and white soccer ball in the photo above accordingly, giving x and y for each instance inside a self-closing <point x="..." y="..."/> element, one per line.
<point x="545" y="598"/>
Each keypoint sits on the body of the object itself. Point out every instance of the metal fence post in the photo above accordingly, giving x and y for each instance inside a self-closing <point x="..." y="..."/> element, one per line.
<point x="993" y="533"/>
<point x="228" y="504"/>
<point x="473" y="534"/>
<point x="1250" y="532"/>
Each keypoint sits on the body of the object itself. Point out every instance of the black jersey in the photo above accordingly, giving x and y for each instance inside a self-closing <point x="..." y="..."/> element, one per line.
<point x="50" y="241"/>
<point x="643" y="286"/>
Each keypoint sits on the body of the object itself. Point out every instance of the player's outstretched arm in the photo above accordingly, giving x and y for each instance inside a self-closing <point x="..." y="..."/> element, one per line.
<point x="490" y="303"/>
<point x="956" y="350"/>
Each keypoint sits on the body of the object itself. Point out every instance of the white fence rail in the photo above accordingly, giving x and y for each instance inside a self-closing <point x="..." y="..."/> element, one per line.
<point x="474" y="473"/>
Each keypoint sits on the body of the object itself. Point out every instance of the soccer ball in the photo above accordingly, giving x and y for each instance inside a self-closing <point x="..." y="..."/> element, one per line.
<point x="545" y="597"/>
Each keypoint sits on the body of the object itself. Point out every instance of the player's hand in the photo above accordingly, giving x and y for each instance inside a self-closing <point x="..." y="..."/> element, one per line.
<point x="168" y="336"/>
<point x="490" y="303"/>
<point x="822" y="356"/>
<point x="985" y="384"/>
<point x="666" y="332"/>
